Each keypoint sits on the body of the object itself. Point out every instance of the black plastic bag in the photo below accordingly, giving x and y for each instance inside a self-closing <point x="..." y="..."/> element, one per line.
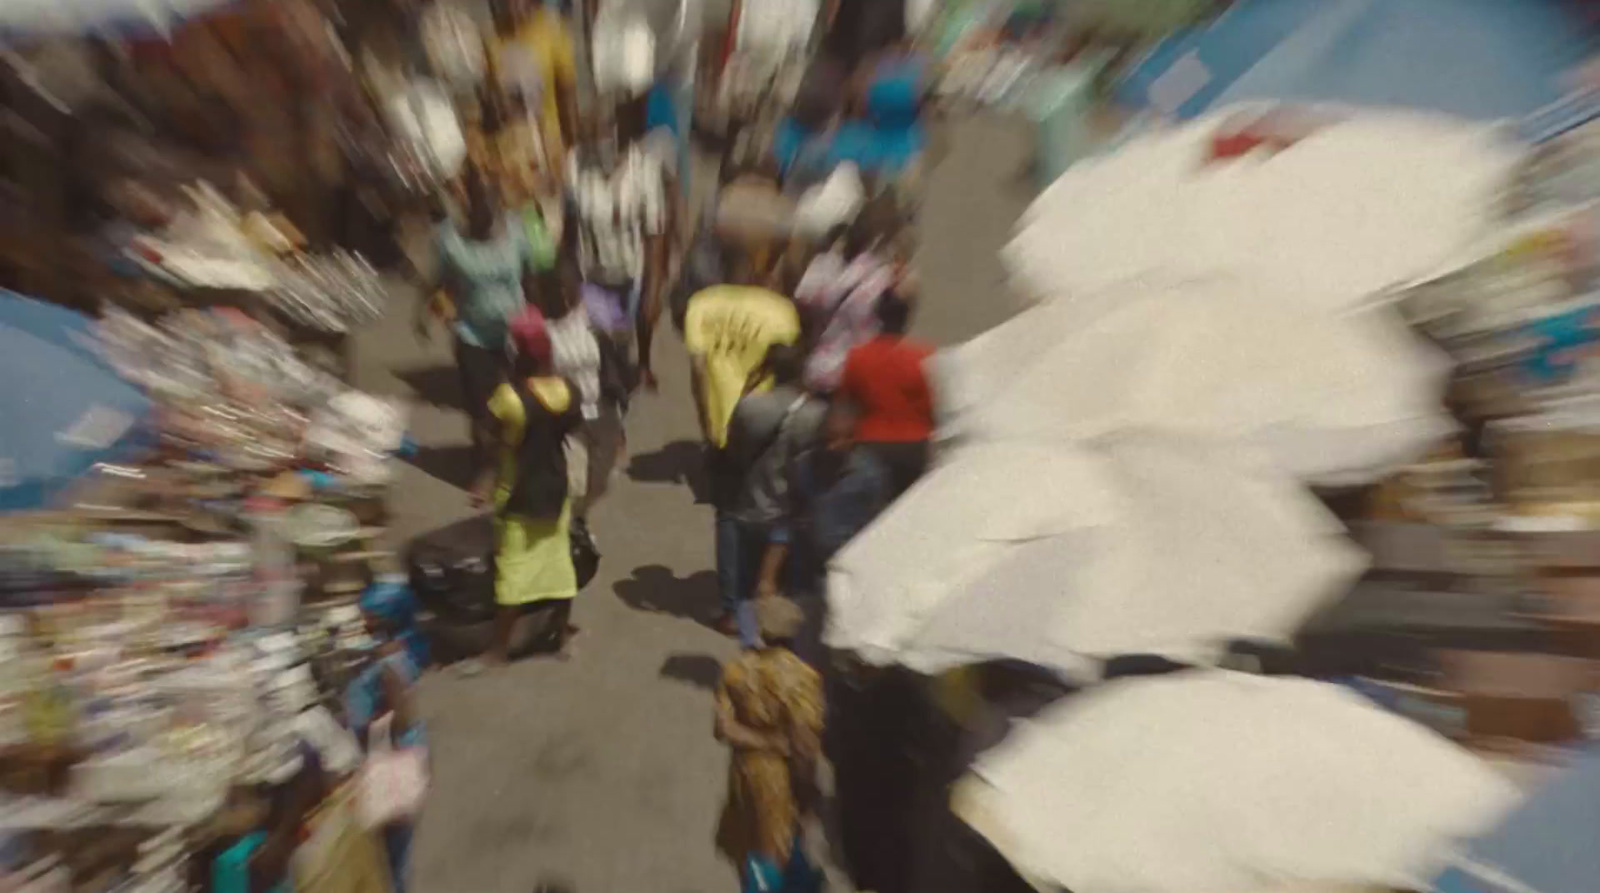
<point x="585" y="554"/>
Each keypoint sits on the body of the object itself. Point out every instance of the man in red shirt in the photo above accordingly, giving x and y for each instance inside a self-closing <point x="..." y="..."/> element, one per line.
<point x="885" y="381"/>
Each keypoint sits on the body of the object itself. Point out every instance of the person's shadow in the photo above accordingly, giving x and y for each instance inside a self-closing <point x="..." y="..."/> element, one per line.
<point x="679" y="462"/>
<point x="455" y="464"/>
<point x="698" y="670"/>
<point x="655" y="588"/>
<point x="436" y="385"/>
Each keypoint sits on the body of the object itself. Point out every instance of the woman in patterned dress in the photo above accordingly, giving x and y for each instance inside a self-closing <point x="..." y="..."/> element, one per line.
<point x="770" y="712"/>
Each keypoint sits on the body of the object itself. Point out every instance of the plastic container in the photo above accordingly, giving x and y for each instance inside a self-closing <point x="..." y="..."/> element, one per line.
<point x="277" y="599"/>
<point x="319" y="529"/>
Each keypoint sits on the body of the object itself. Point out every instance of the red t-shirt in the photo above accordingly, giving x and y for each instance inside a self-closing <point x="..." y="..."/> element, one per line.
<point x="884" y="378"/>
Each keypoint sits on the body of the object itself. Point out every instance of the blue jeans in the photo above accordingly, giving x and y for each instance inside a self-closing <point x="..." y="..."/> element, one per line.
<point x="762" y="875"/>
<point x="397" y="844"/>
<point x="740" y="547"/>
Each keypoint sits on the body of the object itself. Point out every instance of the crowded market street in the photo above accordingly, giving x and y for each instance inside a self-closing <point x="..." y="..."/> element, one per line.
<point x="602" y="771"/>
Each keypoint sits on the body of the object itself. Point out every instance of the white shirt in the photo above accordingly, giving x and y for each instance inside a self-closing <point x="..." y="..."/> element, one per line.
<point x="843" y="296"/>
<point x="618" y="210"/>
<point x="576" y="355"/>
<point x="776" y="26"/>
<point x="453" y="45"/>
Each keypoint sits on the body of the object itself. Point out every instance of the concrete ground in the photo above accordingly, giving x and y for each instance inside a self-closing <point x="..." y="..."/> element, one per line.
<point x="602" y="771"/>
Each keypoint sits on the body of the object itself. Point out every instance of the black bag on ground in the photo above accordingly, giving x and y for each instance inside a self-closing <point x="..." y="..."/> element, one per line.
<point x="452" y="571"/>
<point x="585" y="554"/>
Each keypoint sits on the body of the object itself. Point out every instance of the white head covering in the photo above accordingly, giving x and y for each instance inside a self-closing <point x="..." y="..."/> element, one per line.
<point x="624" y="55"/>
<point x="830" y="203"/>
<point x="453" y="45"/>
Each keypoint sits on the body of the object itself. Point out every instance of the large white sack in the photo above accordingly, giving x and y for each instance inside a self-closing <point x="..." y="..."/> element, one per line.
<point x="1210" y="782"/>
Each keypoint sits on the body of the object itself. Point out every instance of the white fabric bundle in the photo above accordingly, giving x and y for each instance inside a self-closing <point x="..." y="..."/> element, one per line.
<point x="1319" y="396"/>
<point x="1357" y="206"/>
<point x="623" y="55"/>
<point x="1208" y="781"/>
<point x="1143" y="544"/>
<point x="831" y="203"/>
<point x="423" y="115"/>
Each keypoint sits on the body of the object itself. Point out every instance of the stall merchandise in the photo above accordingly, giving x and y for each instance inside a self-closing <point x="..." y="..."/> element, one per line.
<point x="1209" y="248"/>
<point x="180" y="632"/>
<point x="260" y="100"/>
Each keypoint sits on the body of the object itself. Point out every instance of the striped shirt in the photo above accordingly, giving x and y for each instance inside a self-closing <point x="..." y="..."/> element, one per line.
<point x="617" y="212"/>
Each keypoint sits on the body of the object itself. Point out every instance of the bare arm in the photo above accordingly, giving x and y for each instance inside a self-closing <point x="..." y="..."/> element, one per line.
<point x="433" y="300"/>
<point x="771" y="563"/>
<point x="658" y="261"/>
<point x="397" y="694"/>
<point x="567" y="115"/>
<point x="697" y="376"/>
<point x="489" y="437"/>
<point x="739" y="736"/>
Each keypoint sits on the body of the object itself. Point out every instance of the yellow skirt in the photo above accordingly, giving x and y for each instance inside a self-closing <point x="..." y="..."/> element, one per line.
<point x="533" y="559"/>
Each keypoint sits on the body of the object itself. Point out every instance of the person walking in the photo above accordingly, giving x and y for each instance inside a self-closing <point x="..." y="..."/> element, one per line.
<point x="769" y="711"/>
<point x="834" y="492"/>
<point x="580" y="354"/>
<point x="841" y="287"/>
<point x="385" y="687"/>
<point x="886" y="380"/>
<point x="768" y="429"/>
<point x="857" y="30"/>
<point x="728" y="330"/>
<point x="535" y="412"/>
<point x="621" y="198"/>
<point x="476" y="288"/>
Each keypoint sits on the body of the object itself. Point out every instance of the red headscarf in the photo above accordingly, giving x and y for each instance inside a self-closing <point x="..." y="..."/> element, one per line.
<point x="530" y="336"/>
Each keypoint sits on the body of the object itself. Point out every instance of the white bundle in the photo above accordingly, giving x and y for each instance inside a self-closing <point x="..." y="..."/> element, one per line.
<point x="1355" y="207"/>
<point x="1208" y="781"/>
<point x="1142" y="544"/>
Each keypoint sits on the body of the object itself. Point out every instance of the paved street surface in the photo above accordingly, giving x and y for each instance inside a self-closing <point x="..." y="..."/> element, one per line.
<point x="602" y="771"/>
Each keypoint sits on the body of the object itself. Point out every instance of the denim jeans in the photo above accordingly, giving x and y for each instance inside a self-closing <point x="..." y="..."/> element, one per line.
<point x="397" y="845"/>
<point x="740" y="546"/>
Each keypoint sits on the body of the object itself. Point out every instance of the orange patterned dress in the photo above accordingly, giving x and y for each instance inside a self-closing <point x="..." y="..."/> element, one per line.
<point x="770" y="711"/>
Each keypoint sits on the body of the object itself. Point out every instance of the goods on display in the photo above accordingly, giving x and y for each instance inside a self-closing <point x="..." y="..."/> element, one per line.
<point x="185" y="628"/>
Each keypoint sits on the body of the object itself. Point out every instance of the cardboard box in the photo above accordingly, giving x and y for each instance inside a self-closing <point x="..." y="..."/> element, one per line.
<point x="1526" y="697"/>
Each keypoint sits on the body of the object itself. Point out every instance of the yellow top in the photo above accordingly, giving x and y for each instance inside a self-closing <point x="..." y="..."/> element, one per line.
<point x="730" y="328"/>
<point x="506" y="405"/>
<point x="545" y="37"/>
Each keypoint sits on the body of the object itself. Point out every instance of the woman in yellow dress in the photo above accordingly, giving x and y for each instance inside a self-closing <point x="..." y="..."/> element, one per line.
<point x="536" y="411"/>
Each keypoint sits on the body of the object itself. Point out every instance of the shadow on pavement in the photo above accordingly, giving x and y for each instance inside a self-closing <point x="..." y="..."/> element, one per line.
<point x="679" y="462"/>
<point x="657" y="589"/>
<point x="438" y="385"/>
<point x="699" y="670"/>
<point x="452" y="464"/>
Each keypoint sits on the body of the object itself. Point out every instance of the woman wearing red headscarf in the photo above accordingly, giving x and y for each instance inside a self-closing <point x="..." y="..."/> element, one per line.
<point x="535" y="412"/>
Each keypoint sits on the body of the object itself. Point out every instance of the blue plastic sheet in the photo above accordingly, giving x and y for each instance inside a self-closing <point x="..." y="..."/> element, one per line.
<point x="64" y="410"/>
<point x="1480" y="59"/>
<point x="1547" y="845"/>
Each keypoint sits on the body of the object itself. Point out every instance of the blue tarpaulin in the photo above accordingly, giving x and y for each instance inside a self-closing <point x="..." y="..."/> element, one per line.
<point x="1481" y="59"/>
<point x="1547" y="845"/>
<point x="63" y="408"/>
<point x="22" y="19"/>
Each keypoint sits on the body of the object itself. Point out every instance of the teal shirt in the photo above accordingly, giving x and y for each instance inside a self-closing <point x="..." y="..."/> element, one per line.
<point x="484" y="279"/>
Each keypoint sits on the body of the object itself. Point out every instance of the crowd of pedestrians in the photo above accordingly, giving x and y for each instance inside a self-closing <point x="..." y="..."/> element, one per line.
<point x="551" y="267"/>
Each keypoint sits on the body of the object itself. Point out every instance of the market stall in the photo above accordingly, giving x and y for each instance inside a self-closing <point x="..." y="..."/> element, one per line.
<point x="1428" y="282"/>
<point x="180" y="622"/>
<point x="233" y="159"/>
